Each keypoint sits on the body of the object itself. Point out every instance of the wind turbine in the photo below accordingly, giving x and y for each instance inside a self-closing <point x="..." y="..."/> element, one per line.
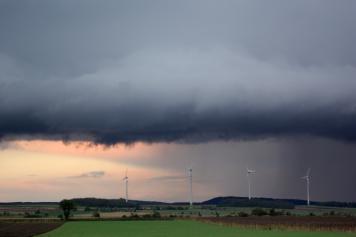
<point x="307" y="178"/>
<point x="249" y="181"/>
<point x="126" y="180"/>
<point x="190" y="176"/>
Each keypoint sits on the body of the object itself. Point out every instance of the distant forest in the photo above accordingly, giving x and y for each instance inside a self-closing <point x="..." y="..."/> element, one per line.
<point x="217" y="201"/>
<point x="271" y="202"/>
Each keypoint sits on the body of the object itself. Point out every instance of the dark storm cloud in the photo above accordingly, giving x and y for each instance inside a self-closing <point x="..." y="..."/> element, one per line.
<point x="219" y="168"/>
<point x="177" y="70"/>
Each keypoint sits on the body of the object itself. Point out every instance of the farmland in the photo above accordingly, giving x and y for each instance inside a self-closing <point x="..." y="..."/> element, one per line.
<point x="313" y="223"/>
<point x="28" y="219"/>
<point x="52" y="211"/>
<point x="26" y="228"/>
<point x="175" y="228"/>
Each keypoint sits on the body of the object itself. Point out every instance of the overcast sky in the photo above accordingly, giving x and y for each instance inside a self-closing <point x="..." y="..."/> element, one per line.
<point x="235" y="77"/>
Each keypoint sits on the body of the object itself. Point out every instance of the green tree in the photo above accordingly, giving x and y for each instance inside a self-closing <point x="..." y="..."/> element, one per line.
<point x="67" y="206"/>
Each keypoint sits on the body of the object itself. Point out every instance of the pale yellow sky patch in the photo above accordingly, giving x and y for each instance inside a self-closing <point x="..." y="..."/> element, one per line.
<point x="33" y="170"/>
<point x="87" y="149"/>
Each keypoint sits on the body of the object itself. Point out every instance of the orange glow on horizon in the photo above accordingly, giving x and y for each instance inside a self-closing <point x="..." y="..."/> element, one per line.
<point x="87" y="149"/>
<point x="47" y="170"/>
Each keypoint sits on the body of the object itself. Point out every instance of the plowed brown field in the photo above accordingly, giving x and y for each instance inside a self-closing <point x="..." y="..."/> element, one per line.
<point x="25" y="229"/>
<point x="292" y="222"/>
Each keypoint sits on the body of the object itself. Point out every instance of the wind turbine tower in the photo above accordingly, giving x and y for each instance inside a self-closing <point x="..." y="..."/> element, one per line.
<point x="126" y="180"/>
<point x="190" y="175"/>
<point x="249" y="172"/>
<point x="307" y="178"/>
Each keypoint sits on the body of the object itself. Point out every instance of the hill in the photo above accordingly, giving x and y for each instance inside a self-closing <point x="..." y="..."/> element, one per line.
<point x="245" y="202"/>
<point x="270" y="202"/>
<point x="231" y="201"/>
<point x="101" y="202"/>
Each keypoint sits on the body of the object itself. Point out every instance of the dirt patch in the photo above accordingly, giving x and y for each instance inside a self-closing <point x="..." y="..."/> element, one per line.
<point x="288" y="222"/>
<point x="26" y="229"/>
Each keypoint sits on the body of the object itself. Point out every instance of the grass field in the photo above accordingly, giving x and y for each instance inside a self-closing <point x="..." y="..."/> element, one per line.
<point x="177" y="228"/>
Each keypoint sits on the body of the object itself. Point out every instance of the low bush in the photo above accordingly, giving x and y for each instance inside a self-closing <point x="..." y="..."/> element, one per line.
<point x="96" y="214"/>
<point x="273" y="212"/>
<point x="242" y="214"/>
<point x="156" y="214"/>
<point x="259" y="212"/>
<point x="31" y="215"/>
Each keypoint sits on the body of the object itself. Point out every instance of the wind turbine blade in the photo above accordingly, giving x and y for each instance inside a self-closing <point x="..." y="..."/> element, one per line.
<point x="308" y="172"/>
<point x="250" y="171"/>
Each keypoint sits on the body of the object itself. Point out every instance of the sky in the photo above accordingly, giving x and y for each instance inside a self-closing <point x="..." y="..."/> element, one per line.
<point x="89" y="89"/>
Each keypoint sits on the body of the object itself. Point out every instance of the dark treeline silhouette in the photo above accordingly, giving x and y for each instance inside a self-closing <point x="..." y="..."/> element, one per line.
<point x="245" y="202"/>
<point x="217" y="201"/>
<point x="101" y="202"/>
<point x="271" y="202"/>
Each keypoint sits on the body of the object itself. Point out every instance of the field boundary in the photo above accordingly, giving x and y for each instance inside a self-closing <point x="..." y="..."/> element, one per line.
<point x="339" y="224"/>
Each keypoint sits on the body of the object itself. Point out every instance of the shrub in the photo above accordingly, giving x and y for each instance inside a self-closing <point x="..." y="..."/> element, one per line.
<point x="60" y="216"/>
<point x="96" y="214"/>
<point x="5" y="213"/>
<point x="258" y="212"/>
<point x="242" y="214"/>
<point x="31" y="215"/>
<point x="134" y="216"/>
<point x="156" y="214"/>
<point x="273" y="212"/>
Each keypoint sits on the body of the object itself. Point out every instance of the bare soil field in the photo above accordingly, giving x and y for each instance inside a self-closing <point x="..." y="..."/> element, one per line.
<point x="288" y="222"/>
<point x="26" y="229"/>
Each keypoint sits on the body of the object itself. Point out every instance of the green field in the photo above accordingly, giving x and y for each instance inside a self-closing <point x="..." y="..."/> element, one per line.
<point x="171" y="229"/>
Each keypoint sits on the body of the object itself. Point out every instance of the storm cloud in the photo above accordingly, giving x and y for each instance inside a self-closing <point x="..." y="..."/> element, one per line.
<point x="185" y="71"/>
